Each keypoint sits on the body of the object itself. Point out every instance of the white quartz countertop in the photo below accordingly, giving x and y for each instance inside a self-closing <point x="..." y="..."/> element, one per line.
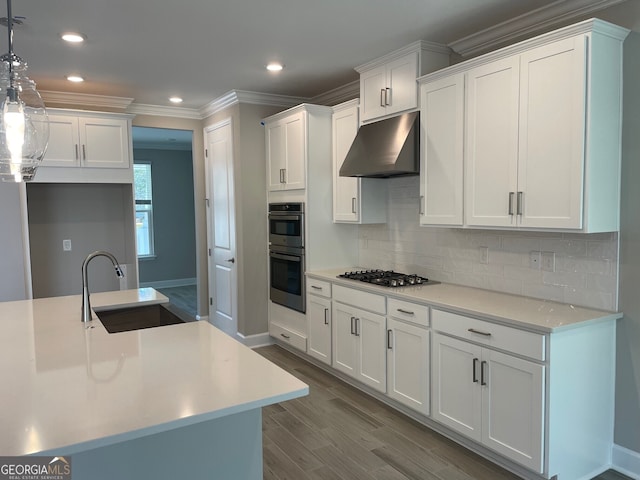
<point x="73" y="386"/>
<point x="524" y="312"/>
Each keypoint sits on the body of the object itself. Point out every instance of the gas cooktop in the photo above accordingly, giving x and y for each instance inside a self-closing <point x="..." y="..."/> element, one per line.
<point x="387" y="278"/>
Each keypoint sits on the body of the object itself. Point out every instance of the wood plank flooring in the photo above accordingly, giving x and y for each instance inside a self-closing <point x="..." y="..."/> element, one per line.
<point x="340" y="433"/>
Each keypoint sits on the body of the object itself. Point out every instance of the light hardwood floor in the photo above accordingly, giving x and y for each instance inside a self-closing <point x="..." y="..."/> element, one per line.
<point x="340" y="433"/>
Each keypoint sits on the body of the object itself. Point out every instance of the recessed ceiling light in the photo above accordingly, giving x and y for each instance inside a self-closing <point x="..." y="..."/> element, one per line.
<point x="73" y="37"/>
<point x="275" y="67"/>
<point x="75" y="78"/>
<point x="175" y="100"/>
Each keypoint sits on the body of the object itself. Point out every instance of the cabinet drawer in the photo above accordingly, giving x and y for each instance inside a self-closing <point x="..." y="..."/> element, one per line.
<point x="505" y="338"/>
<point x="358" y="298"/>
<point x="288" y="336"/>
<point x="409" y="312"/>
<point x="319" y="287"/>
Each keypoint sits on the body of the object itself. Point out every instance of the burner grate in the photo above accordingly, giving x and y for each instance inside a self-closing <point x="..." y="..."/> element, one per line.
<point x="386" y="278"/>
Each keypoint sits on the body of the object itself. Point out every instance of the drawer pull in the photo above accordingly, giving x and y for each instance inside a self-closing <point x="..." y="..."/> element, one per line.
<point x="285" y="336"/>
<point x="407" y="312"/>
<point x="326" y="320"/>
<point x="357" y="327"/>
<point x="479" y="332"/>
<point x="316" y="287"/>
<point x="352" y="322"/>
<point x="389" y="340"/>
<point x="475" y="376"/>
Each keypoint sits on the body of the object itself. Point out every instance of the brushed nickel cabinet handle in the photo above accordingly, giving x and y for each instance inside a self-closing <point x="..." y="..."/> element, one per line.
<point x="326" y="320"/>
<point x="511" y="197"/>
<point x="315" y="287"/>
<point x="353" y="204"/>
<point x="357" y="327"/>
<point x="285" y="336"/>
<point x="352" y="322"/>
<point x="387" y="96"/>
<point x="389" y="338"/>
<point x="519" y="207"/>
<point x="482" y="365"/>
<point x="84" y="152"/>
<point x="474" y="365"/>
<point x="479" y="332"/>
<point x="407" y="312"/>
<point x="77" y="157"/>
<point x="382" y="94"/>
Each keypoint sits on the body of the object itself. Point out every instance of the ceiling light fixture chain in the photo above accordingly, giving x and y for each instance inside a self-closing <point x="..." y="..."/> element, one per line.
<point x="24" y="123"/>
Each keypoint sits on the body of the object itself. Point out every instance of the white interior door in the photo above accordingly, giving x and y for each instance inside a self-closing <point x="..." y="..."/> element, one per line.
<point x="223" y="289"/>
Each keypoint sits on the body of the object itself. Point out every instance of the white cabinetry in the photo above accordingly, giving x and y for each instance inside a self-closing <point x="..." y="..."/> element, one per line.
<point x="286" y="151"/>
<point x="90" y="146"/>
<point x="359" y="336"/>
<point x="489" y="396"/>
<point x="355" y="200"/>
<point x="441" y="155"/>
<point x="388" y="84"/>
<point x="319" y="320"/>
<point x="408" y="354"/>
<point x="542" y="123"/>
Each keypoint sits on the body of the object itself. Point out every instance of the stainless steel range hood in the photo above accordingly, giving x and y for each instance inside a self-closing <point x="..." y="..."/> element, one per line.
<point x="387" y="148"/>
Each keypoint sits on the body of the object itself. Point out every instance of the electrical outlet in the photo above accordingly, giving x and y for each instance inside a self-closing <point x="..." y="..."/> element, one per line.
<point x="548" y="262"/>
<point x="484" y="254"/>
<point x="534" y="260"/>
<point x="66" y="245"/>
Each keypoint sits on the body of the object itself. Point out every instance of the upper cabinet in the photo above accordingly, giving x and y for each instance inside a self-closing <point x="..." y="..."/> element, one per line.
<point x="355" y="200"/>
<point x="286" y="150"/>
<point x="540" y="123"/>
<point x="388" y="84"/>
<point x="94" y="147"/>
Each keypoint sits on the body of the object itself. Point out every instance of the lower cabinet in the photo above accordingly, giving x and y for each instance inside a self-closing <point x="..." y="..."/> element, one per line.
<point x="319" y="328"/>
<point x="491" y="397"/>
<point x="359" y="345"/>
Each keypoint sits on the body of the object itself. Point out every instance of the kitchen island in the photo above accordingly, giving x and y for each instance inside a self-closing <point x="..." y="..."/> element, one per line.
<point x="179" y="401"/>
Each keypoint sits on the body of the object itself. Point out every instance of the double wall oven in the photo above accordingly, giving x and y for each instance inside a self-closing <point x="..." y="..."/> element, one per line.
<point x="286" y="255"/>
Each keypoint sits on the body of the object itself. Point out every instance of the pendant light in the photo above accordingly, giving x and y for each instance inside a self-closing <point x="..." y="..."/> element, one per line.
<point x="24" y="124"/>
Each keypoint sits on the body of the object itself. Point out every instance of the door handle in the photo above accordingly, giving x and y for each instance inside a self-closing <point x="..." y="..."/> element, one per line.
<point x="353" y="204"/>
<point x="352" y="329"/>
<point x="84" y="152"/>
<point x="382" y="94"/>
<point x="231" y="260"/>
<point x="519" y="207"/>
<point x="511" y="196"/>
<point x="475" y="376"/>
<point x="326" y="320"/>
<point x="77" y="157"/>
<point x="389" y="338"/>
<point x="387" y="95"/>
<point x="482" y="365"/>
<point x="357" y="327"/>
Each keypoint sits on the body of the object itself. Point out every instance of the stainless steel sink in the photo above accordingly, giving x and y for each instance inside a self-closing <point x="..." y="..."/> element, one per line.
<point x="137" y="318"/>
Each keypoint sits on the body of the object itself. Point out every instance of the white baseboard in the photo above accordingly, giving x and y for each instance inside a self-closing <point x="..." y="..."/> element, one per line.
<point x="204" y="318"/>
<point x="255" y="341"/>
<point x="178" y="282"/>
<point x="626" y="461"/>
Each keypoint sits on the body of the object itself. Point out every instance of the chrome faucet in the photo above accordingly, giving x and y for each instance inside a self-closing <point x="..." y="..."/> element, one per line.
<point x="86" y="305"/>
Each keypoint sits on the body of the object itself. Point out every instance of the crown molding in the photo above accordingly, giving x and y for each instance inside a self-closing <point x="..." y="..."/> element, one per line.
<point x="338" y="95"/>
<point x="418" y="46"/>
<point x="164" y="111"/>
<point x="85" y="99"/>
<point x="235" y="97"/>
<point x="528" y="24"/>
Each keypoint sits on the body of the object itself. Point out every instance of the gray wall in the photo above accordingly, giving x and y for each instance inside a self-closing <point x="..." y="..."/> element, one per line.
<point x="173" y="216"/>
<point x="13" y="280"/>
<point x="93" y="217"/>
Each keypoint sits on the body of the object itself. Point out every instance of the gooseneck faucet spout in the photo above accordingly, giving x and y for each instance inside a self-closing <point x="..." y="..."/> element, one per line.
<point x="86" y="305"/>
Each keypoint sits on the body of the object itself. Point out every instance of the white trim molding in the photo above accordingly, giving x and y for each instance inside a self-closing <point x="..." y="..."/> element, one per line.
<point x="338" y="95"/>
<point x="85" y="100"/>
<point x="164" y="111"/>
<point x="234" y="97"/>
<point x="178" y="282"/>
<point x="529" y="24"/>
<point x="202" y="318"/>
<point x="255" y="341"/>
<point x="626" y="461"/>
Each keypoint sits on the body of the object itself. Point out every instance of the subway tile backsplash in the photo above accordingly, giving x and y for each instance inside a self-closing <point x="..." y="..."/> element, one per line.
<point x="586" y="272"/>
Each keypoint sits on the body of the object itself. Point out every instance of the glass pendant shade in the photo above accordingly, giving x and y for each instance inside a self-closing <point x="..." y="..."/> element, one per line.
<point x="24" y="124"/>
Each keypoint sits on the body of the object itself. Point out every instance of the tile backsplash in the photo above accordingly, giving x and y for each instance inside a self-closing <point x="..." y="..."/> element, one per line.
<point x="586" y="266"/>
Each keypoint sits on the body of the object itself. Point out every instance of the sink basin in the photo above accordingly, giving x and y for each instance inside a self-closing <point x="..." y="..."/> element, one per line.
<point x="137" y="318"/>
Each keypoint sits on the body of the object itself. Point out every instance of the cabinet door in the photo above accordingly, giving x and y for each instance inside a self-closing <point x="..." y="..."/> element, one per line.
<point x="408" y="364"/>
<point x="64" y="143"/>
<point x="442" y="139"/>
<point x="105" y="142"/>
<point x="552" y="128"/>
<point x="371" y="335"/>
<point x="513" y="408"/>
<point x="345" y="189"/>
<point x="492" y="143"/>
<point x="319" y="328"/>
<point x="401" y="81"/>
<point x="295" y="152"/>
<point x="345" y="343"/>
<point x="456" y="376"/>
<point x="274" y="135"/>
<point x="372" y="93"/>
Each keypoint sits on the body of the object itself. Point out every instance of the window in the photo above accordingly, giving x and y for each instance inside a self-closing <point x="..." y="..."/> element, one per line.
<point x="144" y="209"/>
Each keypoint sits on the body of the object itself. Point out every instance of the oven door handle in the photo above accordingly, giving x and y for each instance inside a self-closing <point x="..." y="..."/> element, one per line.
<point x="276" y="216"/>
<point x="291" y="258"/>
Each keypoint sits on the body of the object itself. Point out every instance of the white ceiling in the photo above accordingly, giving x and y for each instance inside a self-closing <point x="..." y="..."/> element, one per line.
<point x="201" y="49"/>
